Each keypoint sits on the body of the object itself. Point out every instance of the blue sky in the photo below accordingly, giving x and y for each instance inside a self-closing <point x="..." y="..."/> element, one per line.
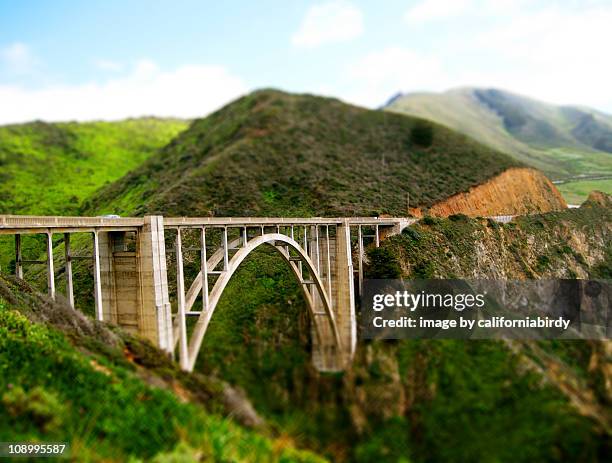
<point x="66" y="60"/>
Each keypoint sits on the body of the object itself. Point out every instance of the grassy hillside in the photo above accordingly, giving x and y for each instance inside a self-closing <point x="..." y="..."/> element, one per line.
<point x="111" y="396"/>
<point x="49" y="168"/>
<point x="273" y="153"/>
<point x="563" y="141"/>
<point x="575" y="192"/>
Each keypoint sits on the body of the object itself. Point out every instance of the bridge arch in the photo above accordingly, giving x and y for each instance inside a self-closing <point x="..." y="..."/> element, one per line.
<point x="319" y="306"/>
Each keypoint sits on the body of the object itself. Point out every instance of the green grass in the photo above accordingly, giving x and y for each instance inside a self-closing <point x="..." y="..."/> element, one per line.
<point x="273" y="153"/>
<point x="92" y="398"/>
<point x="577" y="192"/>
<point x="50" y="168"/>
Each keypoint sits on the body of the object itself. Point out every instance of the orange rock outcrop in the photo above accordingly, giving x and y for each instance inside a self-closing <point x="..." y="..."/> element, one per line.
<point x="516" y="191"/>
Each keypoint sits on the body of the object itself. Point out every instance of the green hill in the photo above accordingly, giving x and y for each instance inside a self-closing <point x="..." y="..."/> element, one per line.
<point x="565" y="142"/>
<point x="112" y="397"/>
<point x="49" y="168"/>
<point x="273" y="153"/>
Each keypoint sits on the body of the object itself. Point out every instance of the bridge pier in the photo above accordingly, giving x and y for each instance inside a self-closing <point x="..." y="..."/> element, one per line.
<point x="133" y="286"/>
<point x="326" y="355"/>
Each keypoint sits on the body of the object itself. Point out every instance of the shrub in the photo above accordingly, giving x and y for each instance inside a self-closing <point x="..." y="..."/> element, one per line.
<point x="383" y="264"/>
<point x="422" y="134"/>
<point x="411" y="233"/>
<point x="428" y="220"/>
<point x="458" y="218"/>
<point x="38" y="406"/>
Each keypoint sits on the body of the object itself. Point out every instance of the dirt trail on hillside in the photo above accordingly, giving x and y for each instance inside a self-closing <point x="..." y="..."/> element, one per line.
<point x="516" y="191"/>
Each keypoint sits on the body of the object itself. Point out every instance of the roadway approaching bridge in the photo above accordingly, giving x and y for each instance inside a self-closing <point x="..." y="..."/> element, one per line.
<point x="132" y="258"/>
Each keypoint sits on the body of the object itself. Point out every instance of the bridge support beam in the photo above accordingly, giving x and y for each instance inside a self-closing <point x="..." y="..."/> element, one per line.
<point x="326" y="356"/>
<point x="133" y="283"/>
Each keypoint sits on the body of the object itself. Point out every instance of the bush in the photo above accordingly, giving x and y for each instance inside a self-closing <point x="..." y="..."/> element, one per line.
<point x="411" y="233"/>
<point x="38" y="406"/>
<point x="459" y="218"/>
<point x="422" y="134"/>
<point x="383" y="264"/>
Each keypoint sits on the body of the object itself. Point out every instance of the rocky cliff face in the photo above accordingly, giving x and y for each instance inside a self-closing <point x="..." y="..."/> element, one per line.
<point x="573" y="243"/>
<point x="515" y="191"/>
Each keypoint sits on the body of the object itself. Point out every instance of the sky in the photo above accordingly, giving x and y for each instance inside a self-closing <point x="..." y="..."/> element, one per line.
<point x="75" y="60"/>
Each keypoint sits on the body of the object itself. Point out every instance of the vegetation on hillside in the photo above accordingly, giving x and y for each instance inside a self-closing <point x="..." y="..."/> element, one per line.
<point x="110" y="396"/>
<point x="574" y="243"/>
<point x="565" y="142"/>
<point x="576" y="191"/>
<point x="49" y="168"/>
<point x="273" y="153"/>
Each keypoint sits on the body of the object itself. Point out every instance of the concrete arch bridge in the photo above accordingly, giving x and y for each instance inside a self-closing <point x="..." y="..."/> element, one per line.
<point x="132" y="258"/>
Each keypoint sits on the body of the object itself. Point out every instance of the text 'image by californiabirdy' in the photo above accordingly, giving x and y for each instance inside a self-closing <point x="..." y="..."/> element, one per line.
<point x="486" y="309"/>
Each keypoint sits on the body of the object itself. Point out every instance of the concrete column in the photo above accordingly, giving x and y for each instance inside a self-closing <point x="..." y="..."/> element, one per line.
<point x="155" y="317"/>
<point x="180" y="296"/>
<point x="50" y="268"/>
<point x="68" y="270"/>
<point x="99" y="273"/>
<point x="313" y="253"/>
<point x="325" y="355"/>
<point x="18" y="258"/>
<point x="344" y="300"/>
<point x="104" y="278"/>
<point x="360" y="259"/>
<point x="133" y="285"/>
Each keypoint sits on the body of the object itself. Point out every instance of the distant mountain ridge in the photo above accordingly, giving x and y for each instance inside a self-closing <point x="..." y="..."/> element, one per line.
<point x="562" y="141"/>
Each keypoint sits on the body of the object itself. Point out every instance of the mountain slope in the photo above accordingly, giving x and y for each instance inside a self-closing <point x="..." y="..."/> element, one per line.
<point x="273" y="153"/>
<point x="48" y="168"/>
<point x="112" y="397"/>
<point x="563" y="141"/>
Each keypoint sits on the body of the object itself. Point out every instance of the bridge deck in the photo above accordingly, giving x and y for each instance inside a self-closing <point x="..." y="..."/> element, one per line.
<point x="11" y="224"/>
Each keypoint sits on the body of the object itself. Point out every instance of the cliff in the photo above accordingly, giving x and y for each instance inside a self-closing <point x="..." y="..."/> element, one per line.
<point x="573" y="243"/>
<point x="516" y="191"/>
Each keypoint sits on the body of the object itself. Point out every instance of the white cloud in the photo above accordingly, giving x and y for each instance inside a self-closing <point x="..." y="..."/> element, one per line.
<point x="336" y="21"/>
<point x="189" y="91"/>
<point x="430" y="10"/>
<point x="108" y="65"/>
<point x="555" y="53"/>
<point x="377" y="76"/>
<point x="17" y="58"/>
<point x="549" y="50"/>
<point x="440" y="10"/>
